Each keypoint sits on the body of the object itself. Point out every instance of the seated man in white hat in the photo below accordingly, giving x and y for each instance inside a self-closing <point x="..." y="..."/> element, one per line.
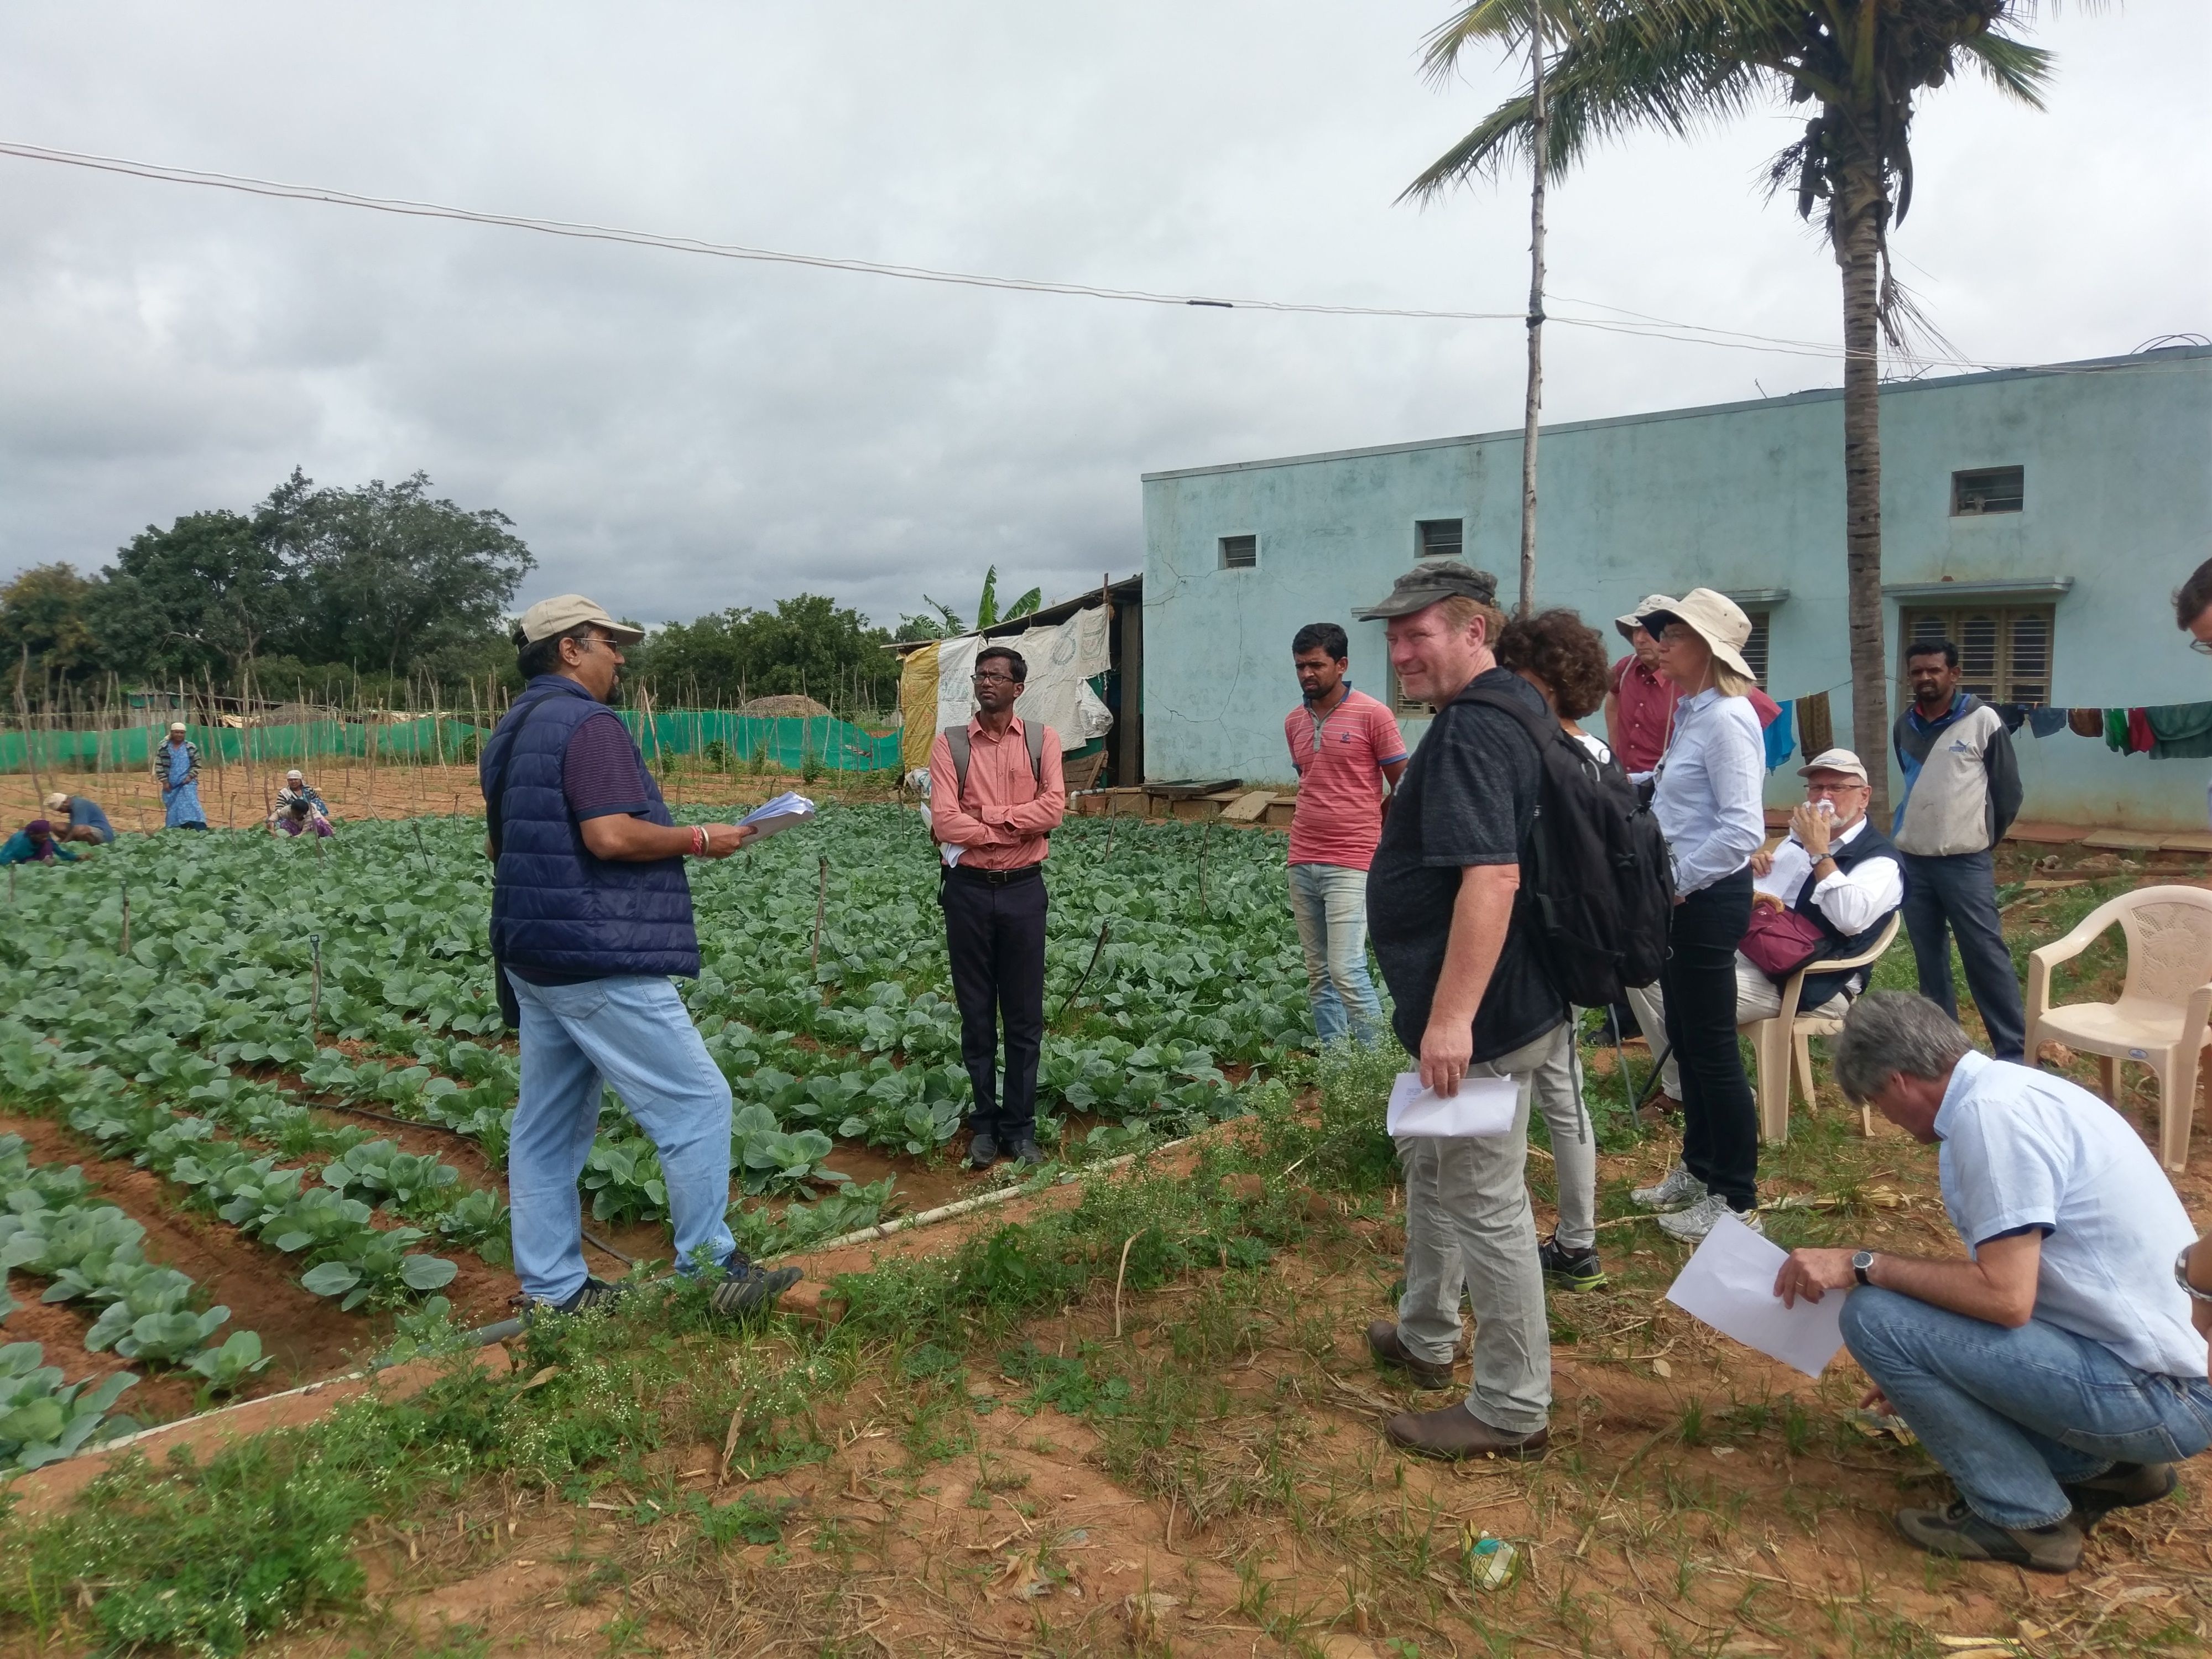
<point x="1826" y="891"/>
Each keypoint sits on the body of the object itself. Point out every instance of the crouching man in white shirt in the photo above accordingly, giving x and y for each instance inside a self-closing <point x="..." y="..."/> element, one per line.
<point x="2057" y="1374"/>
<point x="1835" y="870"/>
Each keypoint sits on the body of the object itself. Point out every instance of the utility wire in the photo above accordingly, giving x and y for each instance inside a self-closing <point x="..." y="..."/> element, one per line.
<point x="1633" y="323"/>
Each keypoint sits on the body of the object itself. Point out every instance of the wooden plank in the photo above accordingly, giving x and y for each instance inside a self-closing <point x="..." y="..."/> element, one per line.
<point x="1248" y="808"/>
<point x="2188" y="840"/>
<point x="1279" y="813"/>
<point x="1194" y="809"/>
<point x="2132" y="841"/>
<point x="2047" y="835"/>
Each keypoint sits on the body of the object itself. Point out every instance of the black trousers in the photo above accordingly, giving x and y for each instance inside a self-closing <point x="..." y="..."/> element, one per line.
<point x="994" y="935"/>
<point x="1720" y="1121"/>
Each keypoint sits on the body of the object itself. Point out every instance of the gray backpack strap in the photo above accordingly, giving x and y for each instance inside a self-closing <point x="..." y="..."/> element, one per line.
<point x="1033" y="734"/>
<point x="955" y="739"/>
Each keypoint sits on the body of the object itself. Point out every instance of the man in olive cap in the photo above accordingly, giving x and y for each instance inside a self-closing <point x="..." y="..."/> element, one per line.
<point x="590" y="914"/>
<point x="1473" y="1001"/>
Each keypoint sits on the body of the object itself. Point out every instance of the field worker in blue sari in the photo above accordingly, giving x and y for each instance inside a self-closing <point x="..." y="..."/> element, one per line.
<point x="590" y="920"/>
<point x="177" y="770"/>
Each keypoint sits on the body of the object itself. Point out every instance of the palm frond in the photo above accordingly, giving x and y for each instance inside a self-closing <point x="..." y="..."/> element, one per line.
<point x="2013" y="67"/>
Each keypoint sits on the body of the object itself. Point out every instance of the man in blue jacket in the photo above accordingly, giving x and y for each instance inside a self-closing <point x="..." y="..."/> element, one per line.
<point x="1961" y="794"/>
<point x="591" y="915"/>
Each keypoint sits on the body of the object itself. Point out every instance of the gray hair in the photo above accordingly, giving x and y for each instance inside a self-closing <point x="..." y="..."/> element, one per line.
<point x="1887" y="1032"/>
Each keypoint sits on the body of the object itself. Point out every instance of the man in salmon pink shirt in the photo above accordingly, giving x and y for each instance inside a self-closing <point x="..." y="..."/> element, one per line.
<point x="1000" y="809"/>
<point x="1345" y="747"/>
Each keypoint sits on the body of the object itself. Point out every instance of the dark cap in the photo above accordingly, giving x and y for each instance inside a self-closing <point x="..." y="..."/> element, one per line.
<point x="1431" y="582"/>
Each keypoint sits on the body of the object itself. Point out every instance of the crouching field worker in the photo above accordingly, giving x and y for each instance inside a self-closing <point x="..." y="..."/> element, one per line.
<point x="35" y="843"/>
<point x="591" y="915"/>
<point x="2056" y="1375"/>
<point x="78" y="819"/>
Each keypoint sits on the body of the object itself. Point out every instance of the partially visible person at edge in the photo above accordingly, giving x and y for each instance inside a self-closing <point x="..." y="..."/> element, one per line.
<point x="1835" y="870"/>
<point x="79" y="819"/>
<point x="1344" y="747"/>
<point x="1961" y="794"/>
<point x="298" y="808"/>
<point x="1002" y="815"/>
<point x="35" y="843"/>
<point x="1706" y="796"/>
<point x="2192" y="615"/>
<point x="591" y="915"/>
<point x="2058" y="1374"/>
<point x="176" y="768"/>
<point x="1471" y="1000"/>
<point x="1639" y="716"/>
<point x="1564" y="657"/>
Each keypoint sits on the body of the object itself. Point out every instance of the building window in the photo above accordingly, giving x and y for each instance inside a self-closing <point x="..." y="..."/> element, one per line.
<point x="1438" y="538"/>
<point x="1754" y="648"/>
<point x="1240" y="552"/>
<point x="1992" y="489"/>
<point x="2005" y="652"/>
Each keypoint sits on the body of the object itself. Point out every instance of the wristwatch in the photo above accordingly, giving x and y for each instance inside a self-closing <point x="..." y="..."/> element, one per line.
<point x="2181" y="1274"/>
<point x="1862" y="1264"/>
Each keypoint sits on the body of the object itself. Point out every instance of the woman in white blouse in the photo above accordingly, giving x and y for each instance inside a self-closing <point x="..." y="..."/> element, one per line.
<point x="1707" y="799"/>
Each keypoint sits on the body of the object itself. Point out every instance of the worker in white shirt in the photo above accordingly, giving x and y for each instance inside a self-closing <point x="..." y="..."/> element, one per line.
<point x="1835" y="871"/>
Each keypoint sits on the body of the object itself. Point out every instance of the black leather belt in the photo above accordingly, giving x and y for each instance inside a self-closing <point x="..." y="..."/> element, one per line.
<point x="996" y="877"/>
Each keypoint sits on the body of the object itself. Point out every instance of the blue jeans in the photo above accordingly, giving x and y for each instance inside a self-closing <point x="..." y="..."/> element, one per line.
<point x="633" y="1034"/>
<point x="2011" y="1413"/>
<point x="1957" y="895"/>
<point x="1330" y="903"/>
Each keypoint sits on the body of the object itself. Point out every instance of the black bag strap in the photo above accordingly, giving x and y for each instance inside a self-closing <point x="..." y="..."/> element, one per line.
<point x="496" y="804"/>
<point x="955" y="739"/>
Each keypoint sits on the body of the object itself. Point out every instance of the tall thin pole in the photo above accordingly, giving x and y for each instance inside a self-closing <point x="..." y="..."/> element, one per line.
<point x="1538" y="135"/>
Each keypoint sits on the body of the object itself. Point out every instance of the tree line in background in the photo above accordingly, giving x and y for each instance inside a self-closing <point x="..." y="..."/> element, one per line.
<point x="389" y="596"/>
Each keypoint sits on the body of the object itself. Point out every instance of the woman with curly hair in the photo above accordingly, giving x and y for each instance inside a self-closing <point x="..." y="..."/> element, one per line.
<point x="1564" y="657"/>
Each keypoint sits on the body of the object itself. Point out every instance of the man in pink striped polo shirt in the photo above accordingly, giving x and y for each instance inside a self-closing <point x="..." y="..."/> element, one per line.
<point x="1345" y="747"/>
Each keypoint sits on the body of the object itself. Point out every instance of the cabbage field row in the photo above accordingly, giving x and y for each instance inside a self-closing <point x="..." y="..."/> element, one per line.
<point x="263" y="978"/>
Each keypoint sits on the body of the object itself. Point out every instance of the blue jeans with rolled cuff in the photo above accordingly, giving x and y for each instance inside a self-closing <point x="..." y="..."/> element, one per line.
<point x="1329" y="902"/>
<point x="2011" y="1413"/>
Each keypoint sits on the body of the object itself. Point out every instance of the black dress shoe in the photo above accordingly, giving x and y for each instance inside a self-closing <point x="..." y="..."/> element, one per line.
<point x="982" y="1150"/>
<point x="1024" y="1151"/>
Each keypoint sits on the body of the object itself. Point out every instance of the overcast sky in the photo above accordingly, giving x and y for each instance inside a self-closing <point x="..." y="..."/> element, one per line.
<point x="673" y="435"/>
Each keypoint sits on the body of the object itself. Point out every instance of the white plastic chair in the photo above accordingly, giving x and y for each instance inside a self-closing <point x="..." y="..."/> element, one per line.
<point x="2160" y="1018"/>
<point x="1783" y="1045"/>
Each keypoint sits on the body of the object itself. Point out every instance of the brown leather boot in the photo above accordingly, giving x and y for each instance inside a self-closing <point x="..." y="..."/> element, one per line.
<point x="1454" y="1432"/>
<point x="1387" y="1345"/>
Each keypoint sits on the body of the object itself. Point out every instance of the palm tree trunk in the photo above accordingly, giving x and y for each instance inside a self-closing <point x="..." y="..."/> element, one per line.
<point x="1539" y="135"/>
<point x="1858" y="243"/>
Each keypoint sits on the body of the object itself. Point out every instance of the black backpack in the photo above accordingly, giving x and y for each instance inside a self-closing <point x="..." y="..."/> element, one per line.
<point x="1601" y="888"/>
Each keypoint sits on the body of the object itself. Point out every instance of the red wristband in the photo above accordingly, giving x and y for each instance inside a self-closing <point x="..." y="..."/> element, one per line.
<point x="699" y="841"/>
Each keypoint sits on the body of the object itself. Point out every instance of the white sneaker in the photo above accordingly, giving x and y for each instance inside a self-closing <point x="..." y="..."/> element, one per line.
<point x="1691" y="1225"/>
<point x="1677" y="1190"/>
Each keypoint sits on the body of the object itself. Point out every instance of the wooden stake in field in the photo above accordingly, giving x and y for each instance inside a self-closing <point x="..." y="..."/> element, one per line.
<point x="124" y="949"/>
<point x="821" y="902"/>
<point x="1204" y="837"/>
<point x="315" y="996"/>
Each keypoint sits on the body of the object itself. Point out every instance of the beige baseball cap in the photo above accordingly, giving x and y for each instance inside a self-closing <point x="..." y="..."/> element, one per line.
<point x="564" y="611"/>
<point x="1835" y="760"/>
<point x="57" y="802"/>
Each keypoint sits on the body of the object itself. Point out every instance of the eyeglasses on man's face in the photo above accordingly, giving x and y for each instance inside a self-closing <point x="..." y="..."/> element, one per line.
<point x="987" y="676"/>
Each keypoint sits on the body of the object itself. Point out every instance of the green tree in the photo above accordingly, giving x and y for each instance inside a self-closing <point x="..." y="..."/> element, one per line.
<point x="197" y="599"/>
<point x="44" y="619"/>
<point x="388" y="575"/>
<point x="1680" y="64"/>
<point x="808" y="645"/>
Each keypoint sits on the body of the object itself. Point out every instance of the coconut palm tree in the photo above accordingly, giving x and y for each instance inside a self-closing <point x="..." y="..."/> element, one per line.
<point x="1679" y="65"/>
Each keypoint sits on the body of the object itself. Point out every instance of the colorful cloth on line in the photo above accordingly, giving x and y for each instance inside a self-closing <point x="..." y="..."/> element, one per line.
<point x="2115" y="730"/>
<point x="1816" y="728"/>
<point x="2045" y="722"/>
<point x="2086" y="722"/>
<point x="2180" y="731"/>
<point x="1779" y="742"/>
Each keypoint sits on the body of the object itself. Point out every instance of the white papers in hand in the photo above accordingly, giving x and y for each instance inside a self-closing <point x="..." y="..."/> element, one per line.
<point x="1483" y="1106"/>
<point x="1729" y="1285"/>
<point x="786" y="811"/>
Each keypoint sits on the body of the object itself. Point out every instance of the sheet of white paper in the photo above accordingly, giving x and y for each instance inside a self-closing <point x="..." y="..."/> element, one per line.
<point x="1729" y="1285"/>
<point x="1483" y="1106"/>
<point x="786" y="811"/>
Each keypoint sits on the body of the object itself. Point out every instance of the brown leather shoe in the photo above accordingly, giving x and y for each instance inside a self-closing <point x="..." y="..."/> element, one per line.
<point x="1385" y="1344"/>
<point x="1454" y="1432"/>
<point x="1654" y="1112"/>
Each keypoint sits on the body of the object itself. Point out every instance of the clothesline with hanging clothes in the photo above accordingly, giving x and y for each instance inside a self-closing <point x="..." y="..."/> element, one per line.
<point x="2169" y="731"/>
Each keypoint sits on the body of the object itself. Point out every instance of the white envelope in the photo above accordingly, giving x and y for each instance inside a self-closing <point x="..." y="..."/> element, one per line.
<point x="1483" y="1106"/>
<point x="1729" y="1285"/>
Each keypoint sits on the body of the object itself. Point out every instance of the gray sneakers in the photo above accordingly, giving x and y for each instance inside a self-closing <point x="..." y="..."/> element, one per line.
<point x="1678" y="1190"/>
<point x="1691" y="1225"/>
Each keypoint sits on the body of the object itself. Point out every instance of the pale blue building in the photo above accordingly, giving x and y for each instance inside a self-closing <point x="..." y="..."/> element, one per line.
<point x="2040" y="517"/>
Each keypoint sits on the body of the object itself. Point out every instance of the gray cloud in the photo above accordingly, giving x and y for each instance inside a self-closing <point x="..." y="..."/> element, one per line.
<point x="675" y="434"/>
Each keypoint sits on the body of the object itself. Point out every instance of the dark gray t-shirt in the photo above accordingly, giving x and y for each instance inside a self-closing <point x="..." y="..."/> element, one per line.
<point x="1468" y="798"/>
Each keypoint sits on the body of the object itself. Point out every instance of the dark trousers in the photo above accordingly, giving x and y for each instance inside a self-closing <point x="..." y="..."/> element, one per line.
<point x="1958" y="894"/>
<point x="994" y="935"/>
<point x="1720" y="1124"/>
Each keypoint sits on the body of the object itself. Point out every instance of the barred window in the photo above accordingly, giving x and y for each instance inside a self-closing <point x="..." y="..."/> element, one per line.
<point x="1754" y="648"/>
<point x="1240" y="552"/>
<point x="2005" y="652"/>
<point x="1439" y="538"/>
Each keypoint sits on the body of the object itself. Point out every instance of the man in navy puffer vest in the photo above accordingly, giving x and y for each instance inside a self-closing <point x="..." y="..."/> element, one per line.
<point x="590" y="914"/>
